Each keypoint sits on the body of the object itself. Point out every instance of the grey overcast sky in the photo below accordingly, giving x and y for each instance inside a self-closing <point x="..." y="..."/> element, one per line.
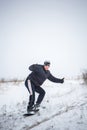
<point x="32" y="31"/>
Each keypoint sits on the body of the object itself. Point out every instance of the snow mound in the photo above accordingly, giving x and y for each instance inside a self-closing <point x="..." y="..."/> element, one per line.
<point x="63" y="108"/>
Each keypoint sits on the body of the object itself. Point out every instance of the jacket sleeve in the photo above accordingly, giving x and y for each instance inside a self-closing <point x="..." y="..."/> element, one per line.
<point x="54" y="79"/>
<point x="34" y="67"/>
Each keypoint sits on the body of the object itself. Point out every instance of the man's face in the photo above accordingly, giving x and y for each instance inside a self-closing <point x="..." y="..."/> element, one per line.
<point x="46" y="67"/>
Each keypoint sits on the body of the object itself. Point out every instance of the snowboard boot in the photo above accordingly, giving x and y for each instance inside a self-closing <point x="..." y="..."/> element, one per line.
<point x="36" y="106"/>
<point x="30" y="108"/>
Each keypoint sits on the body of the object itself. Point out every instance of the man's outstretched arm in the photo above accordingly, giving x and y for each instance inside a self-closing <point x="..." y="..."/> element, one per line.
<point x="54" y="79"/>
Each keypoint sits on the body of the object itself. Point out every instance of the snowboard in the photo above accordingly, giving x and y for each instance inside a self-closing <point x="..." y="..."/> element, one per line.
<point x="31" y="113"/>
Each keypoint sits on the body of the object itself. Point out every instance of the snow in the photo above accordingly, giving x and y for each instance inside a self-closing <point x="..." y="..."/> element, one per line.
<point x="63" y="108"/>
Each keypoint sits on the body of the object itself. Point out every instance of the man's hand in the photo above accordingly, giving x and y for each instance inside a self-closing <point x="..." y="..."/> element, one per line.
<point x="62" y="80"/>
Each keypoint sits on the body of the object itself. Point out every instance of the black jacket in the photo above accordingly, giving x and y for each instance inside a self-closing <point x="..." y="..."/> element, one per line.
<point x="39" y="75"/>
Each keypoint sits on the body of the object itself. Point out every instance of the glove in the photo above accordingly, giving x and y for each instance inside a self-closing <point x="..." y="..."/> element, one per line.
<point x="62" y="80"/>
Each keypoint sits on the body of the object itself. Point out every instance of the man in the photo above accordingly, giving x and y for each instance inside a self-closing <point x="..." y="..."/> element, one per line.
<point x="34" y="81"/>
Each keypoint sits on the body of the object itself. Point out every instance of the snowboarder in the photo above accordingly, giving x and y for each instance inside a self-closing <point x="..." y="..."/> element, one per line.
<point x="34" y="81"/>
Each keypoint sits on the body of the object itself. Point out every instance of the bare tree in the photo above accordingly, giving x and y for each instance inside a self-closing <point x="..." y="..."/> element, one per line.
<point x="84" y="76"/>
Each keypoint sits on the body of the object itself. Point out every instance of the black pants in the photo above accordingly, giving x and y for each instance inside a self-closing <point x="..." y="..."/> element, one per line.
<point x="32" y="89"/>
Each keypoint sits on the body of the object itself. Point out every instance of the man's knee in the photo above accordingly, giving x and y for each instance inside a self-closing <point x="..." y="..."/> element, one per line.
<point x="43" y="92"/>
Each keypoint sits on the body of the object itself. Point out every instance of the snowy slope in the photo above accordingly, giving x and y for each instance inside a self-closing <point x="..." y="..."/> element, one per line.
<point x="63" y="108"/>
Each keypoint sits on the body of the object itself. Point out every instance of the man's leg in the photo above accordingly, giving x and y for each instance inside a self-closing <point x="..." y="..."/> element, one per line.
<point x="31" y="89"/>
<point x="41" y="92"/>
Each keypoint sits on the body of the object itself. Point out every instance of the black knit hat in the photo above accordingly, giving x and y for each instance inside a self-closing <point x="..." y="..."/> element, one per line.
<point x="47" y="63"/>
